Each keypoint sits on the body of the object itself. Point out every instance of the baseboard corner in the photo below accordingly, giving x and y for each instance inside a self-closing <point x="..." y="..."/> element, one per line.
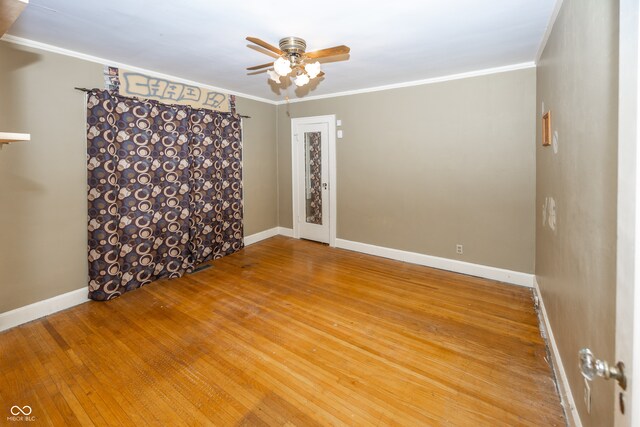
<point x="284" y="231"/>
<point x="261" y="235"/>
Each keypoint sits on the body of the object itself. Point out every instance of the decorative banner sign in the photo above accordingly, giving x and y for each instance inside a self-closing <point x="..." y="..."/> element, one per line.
<point x="134" y="84"/>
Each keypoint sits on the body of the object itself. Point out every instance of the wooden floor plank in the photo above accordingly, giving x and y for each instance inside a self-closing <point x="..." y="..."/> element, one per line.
<point x="387" y="363"/>
<point x="290" y="332"/>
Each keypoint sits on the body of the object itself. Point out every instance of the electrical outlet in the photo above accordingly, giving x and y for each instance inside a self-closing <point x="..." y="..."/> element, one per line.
<point x="587" y="395"/>
<point x="459" y="249"/>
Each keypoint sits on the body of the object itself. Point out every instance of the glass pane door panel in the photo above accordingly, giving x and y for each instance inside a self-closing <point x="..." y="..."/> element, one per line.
<point x="313" y="177"/>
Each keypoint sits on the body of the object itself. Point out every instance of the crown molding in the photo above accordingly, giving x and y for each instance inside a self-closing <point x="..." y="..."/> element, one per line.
<point x="55" y="49"/>
<point x="476" y="73"/>
<point x="547" y="33"/>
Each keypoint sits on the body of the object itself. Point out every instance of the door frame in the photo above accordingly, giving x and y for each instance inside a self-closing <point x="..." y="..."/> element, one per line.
<point x="330" y="120"/>
<point x="628" y="216"/>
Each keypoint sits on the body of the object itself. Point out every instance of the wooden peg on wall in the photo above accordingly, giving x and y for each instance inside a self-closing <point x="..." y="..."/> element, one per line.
<point x="546" y="129"/>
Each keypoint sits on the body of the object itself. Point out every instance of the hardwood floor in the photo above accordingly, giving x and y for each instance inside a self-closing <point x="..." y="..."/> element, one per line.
<point x="289" y="332"/>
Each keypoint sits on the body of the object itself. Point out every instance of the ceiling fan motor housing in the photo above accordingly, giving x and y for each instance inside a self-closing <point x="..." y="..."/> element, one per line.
<point x="293" y="45"/>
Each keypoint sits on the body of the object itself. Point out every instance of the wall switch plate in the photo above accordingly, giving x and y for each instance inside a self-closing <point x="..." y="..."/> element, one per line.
<point x="340" y="134"/>
<point x="459" y="249"/>
<point x="338" y="122"/>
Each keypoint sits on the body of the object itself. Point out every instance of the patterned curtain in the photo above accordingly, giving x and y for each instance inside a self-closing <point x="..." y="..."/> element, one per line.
<point x="164" y="190"/>
<point x="216" y="185"/>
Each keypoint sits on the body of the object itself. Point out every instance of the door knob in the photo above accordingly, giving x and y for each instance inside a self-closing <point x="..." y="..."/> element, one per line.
<point x="592" y="367"/>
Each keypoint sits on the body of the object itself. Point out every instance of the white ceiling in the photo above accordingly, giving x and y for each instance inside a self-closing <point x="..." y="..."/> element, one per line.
<point x="204" y="40"/>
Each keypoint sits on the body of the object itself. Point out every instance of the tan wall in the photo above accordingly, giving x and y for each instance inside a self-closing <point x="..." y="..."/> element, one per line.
<point x="259" y="165"/>
<point x="426" y="167"/>
<point x="43" y="243"/>
<point x="575" y="265"/>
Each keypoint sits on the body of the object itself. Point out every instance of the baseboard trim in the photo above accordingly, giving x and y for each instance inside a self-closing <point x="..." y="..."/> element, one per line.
<point x="49" y="306"/>
<point x="283" y="231"/>
<point x="262" y="235"/>
<point x="493" y="273"/>
<point x="10" y="319"/>
<point x="566" y="397"/>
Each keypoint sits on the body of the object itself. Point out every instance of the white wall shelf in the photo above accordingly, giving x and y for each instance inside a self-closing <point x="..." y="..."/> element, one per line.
<point x="6" y="137"/>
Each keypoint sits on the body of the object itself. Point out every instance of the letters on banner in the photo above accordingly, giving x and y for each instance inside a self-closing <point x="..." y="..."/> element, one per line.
<point x="135" y="84"/>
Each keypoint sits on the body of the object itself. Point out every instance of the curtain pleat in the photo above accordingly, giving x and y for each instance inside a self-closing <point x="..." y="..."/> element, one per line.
<point x="164" y="190"/>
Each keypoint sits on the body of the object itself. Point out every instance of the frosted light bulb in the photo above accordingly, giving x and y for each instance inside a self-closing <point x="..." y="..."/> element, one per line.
<point x="282" y="66"/>
<point x="302" y="80"/>
<point x="313" y="69"/>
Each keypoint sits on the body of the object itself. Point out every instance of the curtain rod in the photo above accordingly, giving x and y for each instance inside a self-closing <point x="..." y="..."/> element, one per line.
<point x="84" y="89"/>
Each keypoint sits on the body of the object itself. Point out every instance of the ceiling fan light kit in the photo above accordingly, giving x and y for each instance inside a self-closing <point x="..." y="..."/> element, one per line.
<point x="293" y="59"/>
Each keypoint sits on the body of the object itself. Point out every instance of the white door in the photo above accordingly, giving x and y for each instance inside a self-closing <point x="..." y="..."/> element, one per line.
<point x="312" y="184"/>
<point x="624" y="368"/>
<point x="628" y="250"/>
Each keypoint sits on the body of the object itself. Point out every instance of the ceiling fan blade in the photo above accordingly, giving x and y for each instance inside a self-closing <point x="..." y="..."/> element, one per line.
<point x="332" y="51"/>
<point x="265" y="45"/>
<point x="257" y="67"/>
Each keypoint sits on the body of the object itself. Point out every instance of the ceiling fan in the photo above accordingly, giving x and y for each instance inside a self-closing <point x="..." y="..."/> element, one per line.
<point x="292" y="58"/>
